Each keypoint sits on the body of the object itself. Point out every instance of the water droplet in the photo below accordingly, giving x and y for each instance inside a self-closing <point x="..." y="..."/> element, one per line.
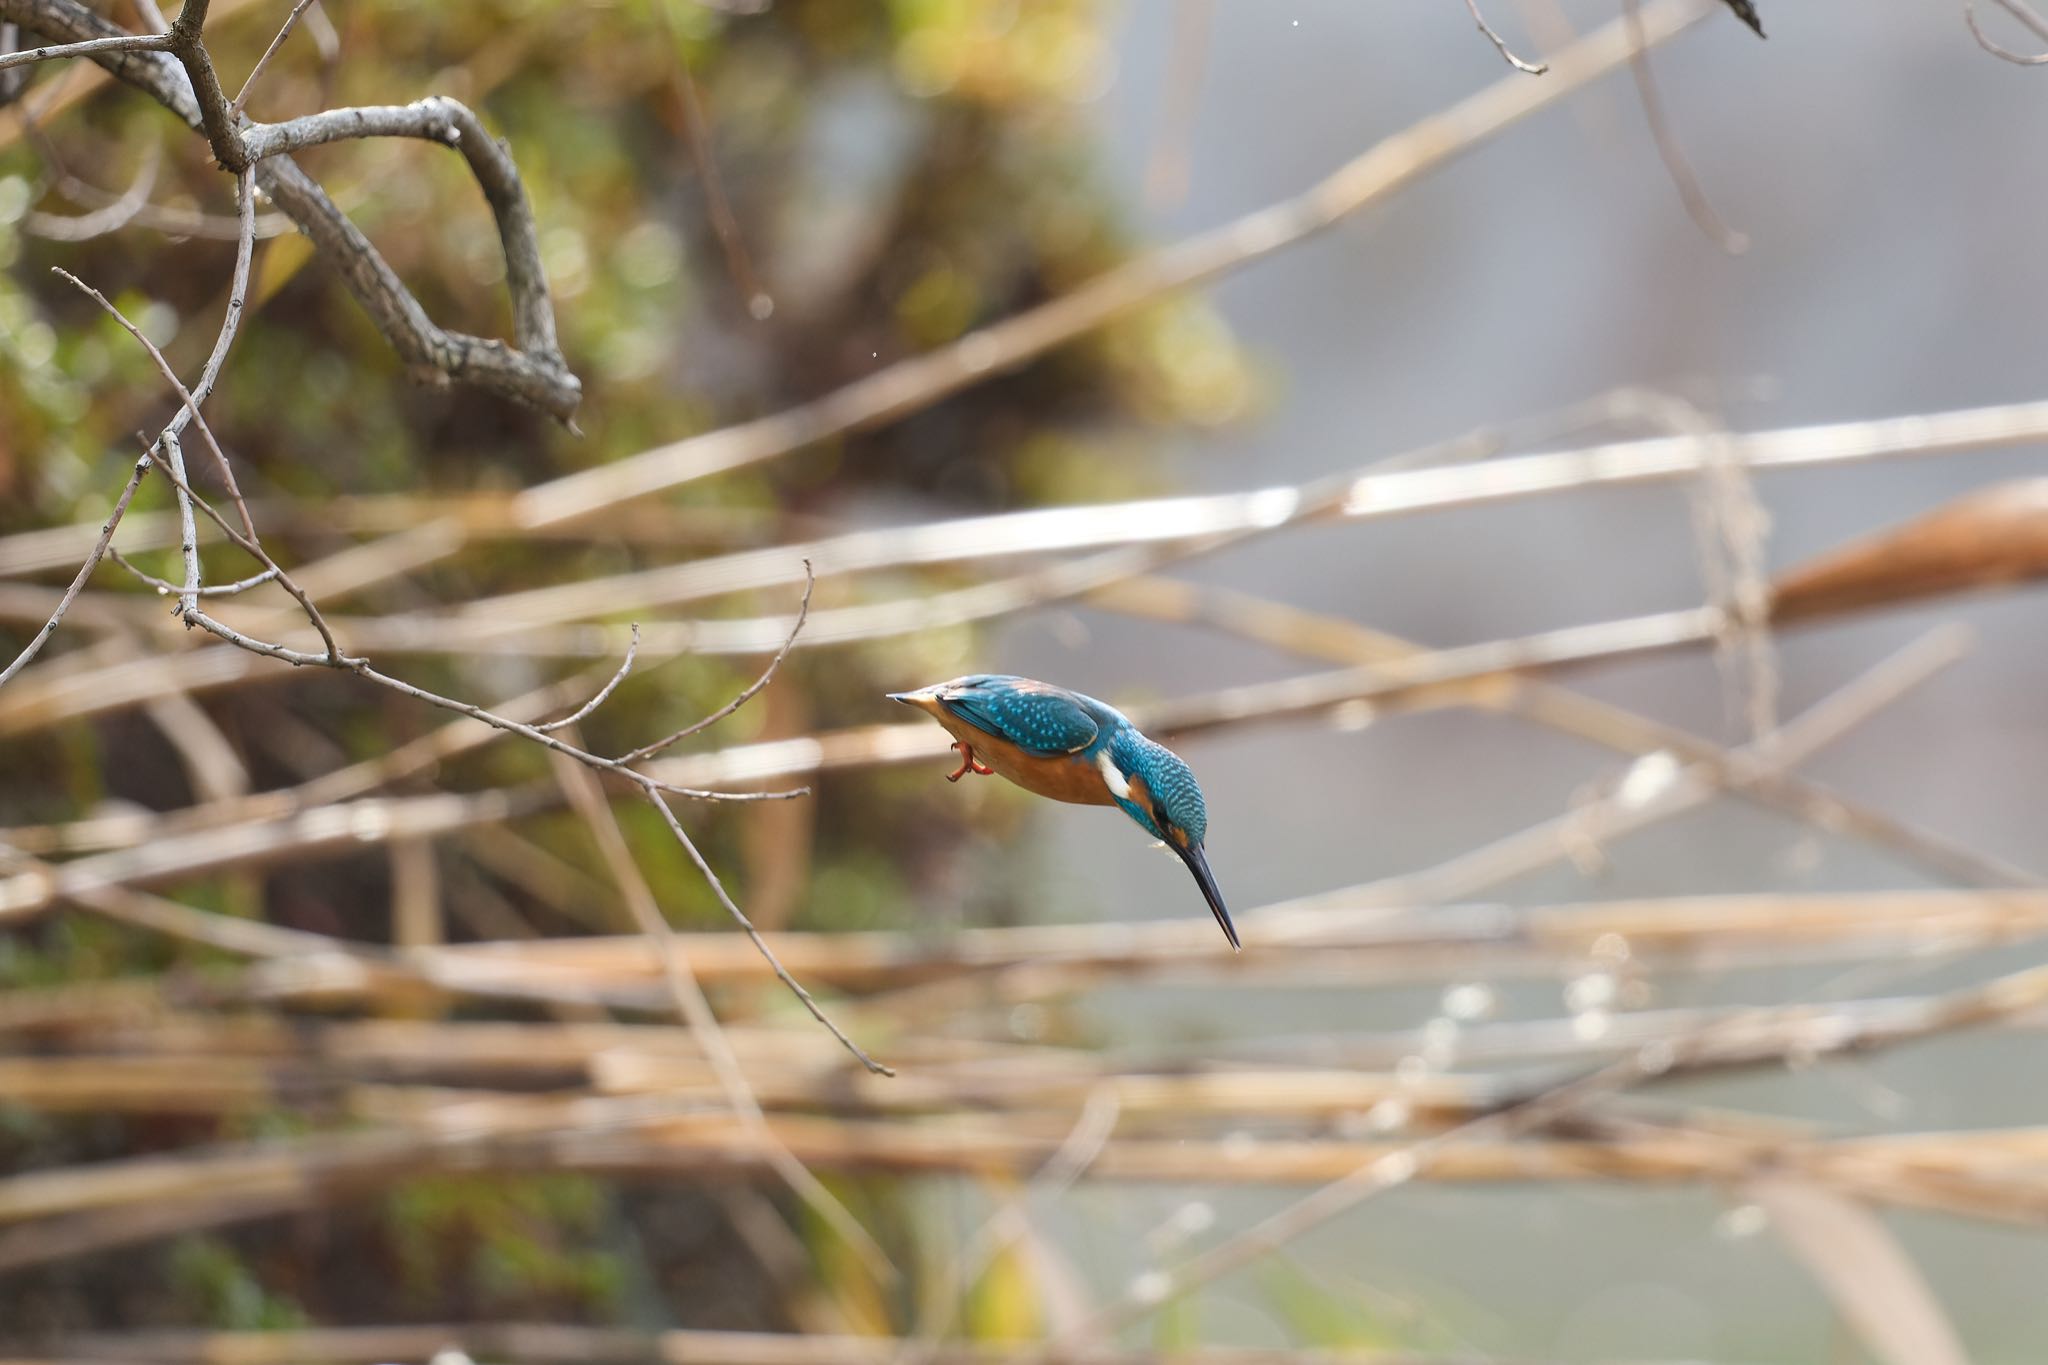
<point x="1591" y="1025"/>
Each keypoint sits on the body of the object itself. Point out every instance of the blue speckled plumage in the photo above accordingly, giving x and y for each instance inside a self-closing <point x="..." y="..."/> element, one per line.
<point x="1070" y="747"/>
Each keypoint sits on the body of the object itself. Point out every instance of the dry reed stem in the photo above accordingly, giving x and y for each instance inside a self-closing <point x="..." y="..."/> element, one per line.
<point x="1991" y="1175"/>
<point x="1390" y="166"/>
<point x="1668" y="791"/>
<point x="554" y="1344"/>
<point x="1312" y="635"/>
<point x="34" y="702"/>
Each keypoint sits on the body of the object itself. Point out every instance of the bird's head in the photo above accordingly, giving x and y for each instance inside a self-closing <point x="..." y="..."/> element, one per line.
<point x="1159" y="791"/>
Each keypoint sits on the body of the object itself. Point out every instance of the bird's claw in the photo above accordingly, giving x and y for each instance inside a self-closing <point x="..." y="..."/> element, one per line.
<point x="968" y="763"/>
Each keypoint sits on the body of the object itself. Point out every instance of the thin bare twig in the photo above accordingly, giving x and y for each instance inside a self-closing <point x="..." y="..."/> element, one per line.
<point x="92" y="560"/>
<point x="208" y="590"/>
<point x="689" y="111"/>
<point x="803" y="611"/>
<point x="796" y="988"/>
<point x="1093" y="1127"/>
<point x="2024" y="991"/>
<point x="653" y="788"/>
<point x="110" y="217"/>
<point x="333" y="657"/>
<point x="256" y="72"/>
<point x="587" y="799"/>
<point x="1632" y="807"/>
<point x="91" y="47"/>
<point x="603" y="693"/>
<point x="361" y="668"/>
<point x="1690" y="192"/>
<point x="1500" y="44"/>
<point x="187" y="396"/>
<point x="180" y="76"/>
<point x="1393" y="164"/>
<point x="1167" y="169"/>
<point x="2019" y="10"/>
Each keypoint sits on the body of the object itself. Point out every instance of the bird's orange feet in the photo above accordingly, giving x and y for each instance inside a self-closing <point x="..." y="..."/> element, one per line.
<point x="968" y="762"/>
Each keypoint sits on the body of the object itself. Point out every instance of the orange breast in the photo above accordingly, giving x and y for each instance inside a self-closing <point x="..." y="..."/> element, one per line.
<point x="1062" y="777"/>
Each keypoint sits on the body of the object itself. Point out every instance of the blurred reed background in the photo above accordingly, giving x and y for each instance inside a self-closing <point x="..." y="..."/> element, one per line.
<point x="1606" y="655"/>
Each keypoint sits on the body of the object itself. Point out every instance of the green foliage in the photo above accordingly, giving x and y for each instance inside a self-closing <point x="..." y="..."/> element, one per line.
<point x="900" y="174"/>
<point x="508" y="1247"/>
<point x="1318" y="1314"/>
<point x="226" y="1291"/>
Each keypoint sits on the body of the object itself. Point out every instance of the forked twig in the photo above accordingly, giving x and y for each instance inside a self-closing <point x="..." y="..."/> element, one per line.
<point x="603" y="693"/>
<point x="695" y="1010"/>
<point x="653" y="788"/>
<point x="207" y="590"/>
<point x="803" y="612"/>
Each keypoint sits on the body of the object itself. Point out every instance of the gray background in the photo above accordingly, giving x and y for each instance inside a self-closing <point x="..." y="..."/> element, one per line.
<point x="1890" y="176"/>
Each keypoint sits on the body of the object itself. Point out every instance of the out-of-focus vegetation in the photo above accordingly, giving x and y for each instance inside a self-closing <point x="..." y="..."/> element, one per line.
<point x="898" y="173"/>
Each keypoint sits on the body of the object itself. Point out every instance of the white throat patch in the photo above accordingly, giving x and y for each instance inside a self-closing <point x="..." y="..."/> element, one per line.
<point x="1112" y="775"/>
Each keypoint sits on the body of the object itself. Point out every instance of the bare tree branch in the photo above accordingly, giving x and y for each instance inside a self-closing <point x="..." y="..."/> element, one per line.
<point x="175" y="70"/>
<point x="1391" y="165"/>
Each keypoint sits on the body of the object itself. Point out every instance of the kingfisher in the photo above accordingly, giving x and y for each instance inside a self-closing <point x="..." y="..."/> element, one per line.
<point x="1074" y="748"/>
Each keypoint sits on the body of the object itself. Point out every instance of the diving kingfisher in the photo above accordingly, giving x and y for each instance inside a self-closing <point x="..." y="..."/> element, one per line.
<point x="1074" y="748"/>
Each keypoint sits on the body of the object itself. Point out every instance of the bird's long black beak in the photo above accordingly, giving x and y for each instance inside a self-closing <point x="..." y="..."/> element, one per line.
<point x="1199" y="865"/>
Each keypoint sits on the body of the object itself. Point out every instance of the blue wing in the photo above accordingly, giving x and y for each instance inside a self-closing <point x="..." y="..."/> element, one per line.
<point x="1036" y="717"/>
